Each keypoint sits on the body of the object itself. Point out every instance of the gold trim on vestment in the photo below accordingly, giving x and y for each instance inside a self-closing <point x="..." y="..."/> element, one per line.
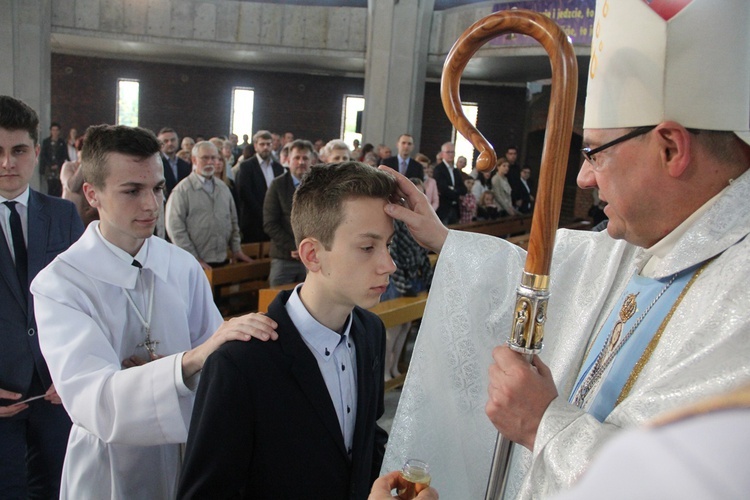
<point x="646" y="356"/>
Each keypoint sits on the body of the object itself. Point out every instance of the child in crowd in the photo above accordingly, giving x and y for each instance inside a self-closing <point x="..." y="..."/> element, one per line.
<point x="297" y="418"/>
<point x="487" y="208"/>
<point x="468" y="204"/>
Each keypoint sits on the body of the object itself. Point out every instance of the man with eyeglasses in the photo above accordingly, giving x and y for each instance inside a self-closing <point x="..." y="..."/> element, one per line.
<point x="201" y="215"/>
<point x="647" y="316"/>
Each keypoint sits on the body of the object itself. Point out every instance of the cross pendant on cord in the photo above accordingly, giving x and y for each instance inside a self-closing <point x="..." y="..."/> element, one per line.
<point x="149" y="344"/>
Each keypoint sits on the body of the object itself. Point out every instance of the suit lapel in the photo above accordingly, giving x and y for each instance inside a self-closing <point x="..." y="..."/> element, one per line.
<point x="305" y="370"/>
<point x="260" y="179"/>
<point x="169" y="178"/>
<point x="8" y="271"/>
<point x="183" y="169"/>
<point x="365" y="369"/>
<point x="38" y="231"/>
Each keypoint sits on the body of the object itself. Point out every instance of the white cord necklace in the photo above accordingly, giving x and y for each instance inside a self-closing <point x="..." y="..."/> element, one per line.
<point x="149" y="344"/>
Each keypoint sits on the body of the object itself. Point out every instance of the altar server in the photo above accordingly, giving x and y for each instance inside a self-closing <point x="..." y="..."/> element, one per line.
<point x="126" y="322"/>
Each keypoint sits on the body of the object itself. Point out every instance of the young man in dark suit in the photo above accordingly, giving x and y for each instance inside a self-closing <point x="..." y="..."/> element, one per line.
<point x="35" y="228"/>
<point x="175" y="168"/>
<point x="253" y="179"/>
<point x="298" y="419"/>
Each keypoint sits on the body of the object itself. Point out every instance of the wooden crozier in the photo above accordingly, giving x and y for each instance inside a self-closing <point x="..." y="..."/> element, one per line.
<point x="527" y="330"/>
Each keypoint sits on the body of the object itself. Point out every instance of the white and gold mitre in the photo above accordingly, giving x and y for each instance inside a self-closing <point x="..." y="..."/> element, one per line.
<point x="681" y="60"/>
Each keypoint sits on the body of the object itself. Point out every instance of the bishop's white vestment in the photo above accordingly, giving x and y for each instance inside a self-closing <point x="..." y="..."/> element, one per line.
<point x="127" y="423"/>
<point x="703" y="350"/>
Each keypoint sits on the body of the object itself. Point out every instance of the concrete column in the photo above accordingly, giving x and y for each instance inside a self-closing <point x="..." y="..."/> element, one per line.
<point x="398" y="34"/>
<point x="25" y="58"/>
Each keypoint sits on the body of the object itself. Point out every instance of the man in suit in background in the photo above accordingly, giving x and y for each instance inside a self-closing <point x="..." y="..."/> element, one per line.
<point x="514" y="168"/>
<point x="450" y="185"/>
<point x="253" y="179"/>
<point x="402" y="162"/>
<point x="175" y="168"/>
<point x="51" y="158"/>
<point x="286" y="266"/>
<point x="35" y="228"/>
<point x="523" y="192"/>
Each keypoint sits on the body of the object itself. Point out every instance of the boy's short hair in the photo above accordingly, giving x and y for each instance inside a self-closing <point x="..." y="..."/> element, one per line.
<point x="317" y="207"/>
<point x="101" y="140"/>
<point x="17" y="115"/>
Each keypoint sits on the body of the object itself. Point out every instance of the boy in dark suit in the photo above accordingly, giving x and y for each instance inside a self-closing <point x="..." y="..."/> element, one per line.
<point x="34" y="228"/>
<point x="298" y="419"/>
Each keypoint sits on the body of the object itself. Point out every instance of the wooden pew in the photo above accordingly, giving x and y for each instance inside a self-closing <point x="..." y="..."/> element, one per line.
<point x="239" y="282"/>
<point x="266" y="295"/>
<point x="239" y="272"/>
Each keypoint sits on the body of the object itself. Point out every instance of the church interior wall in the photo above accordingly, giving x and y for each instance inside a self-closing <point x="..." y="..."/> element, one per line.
<point x="197" y="100"/>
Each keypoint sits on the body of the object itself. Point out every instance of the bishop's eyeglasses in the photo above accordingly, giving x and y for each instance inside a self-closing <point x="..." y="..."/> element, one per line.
<point x="589" y="153"/>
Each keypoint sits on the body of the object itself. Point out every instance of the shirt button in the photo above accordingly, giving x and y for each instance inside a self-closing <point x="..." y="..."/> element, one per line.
<point x="343" y="368"/>
<point x="31" y="332"/>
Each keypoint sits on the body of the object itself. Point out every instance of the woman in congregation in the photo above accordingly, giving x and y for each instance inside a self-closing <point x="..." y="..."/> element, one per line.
<point x="430" y="186"/>
<point x="501" y="187"/>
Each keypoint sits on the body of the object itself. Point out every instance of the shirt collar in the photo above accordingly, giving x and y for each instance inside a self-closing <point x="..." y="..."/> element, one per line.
<point x="203" y="179"/>
<point x="295" y="181"/>
<point x="318" y="337"/>
<point x="22" y="198"/>
<point x="122" y="254"/>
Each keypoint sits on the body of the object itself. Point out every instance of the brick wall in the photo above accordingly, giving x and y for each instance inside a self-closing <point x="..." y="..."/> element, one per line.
<point x="197" y="100"/>
<point x="501" y="116"/>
